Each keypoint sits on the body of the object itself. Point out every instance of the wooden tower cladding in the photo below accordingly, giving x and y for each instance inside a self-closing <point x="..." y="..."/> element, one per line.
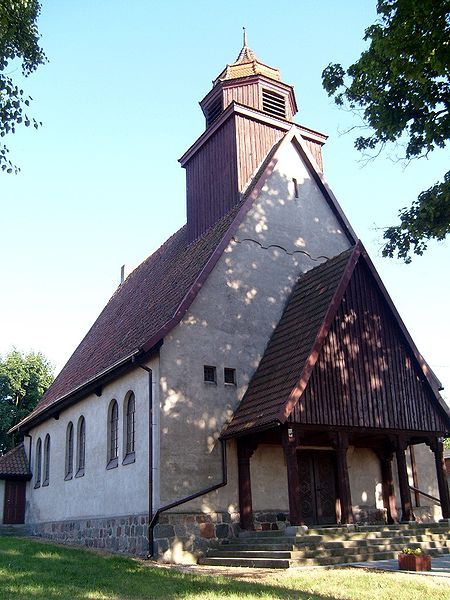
<point x="248" y="110"/>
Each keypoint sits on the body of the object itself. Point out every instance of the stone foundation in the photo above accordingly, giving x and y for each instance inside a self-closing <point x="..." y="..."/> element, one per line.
<point x="369" y="515"/>
<point x="126" y="534"/>
<point x="270" y="519"/>
<point x="183" y="537"/>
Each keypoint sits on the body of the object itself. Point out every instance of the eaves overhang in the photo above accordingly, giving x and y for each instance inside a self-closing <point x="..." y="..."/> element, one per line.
<point x="86" y="388"/>
<point x="234" y="108"/>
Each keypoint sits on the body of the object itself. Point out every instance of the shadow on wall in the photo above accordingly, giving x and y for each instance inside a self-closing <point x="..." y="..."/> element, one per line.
<point x="288" y="231"/>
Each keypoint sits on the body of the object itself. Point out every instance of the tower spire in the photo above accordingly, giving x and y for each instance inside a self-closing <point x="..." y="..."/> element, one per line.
<point x="245" y="37"/>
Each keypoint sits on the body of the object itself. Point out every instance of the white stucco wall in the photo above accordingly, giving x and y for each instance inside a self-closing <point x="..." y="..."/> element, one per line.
<point x="231" y="320"/>
<point x="365" y="478"/>
<point x="100" y="492"/>
<point x="269" y="479"/>
<point x="2" y="499"/>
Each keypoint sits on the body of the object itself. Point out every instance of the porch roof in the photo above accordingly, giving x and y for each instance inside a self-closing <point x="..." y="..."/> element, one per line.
<point x="297" y="342"/>
<point x="14" y="464"/>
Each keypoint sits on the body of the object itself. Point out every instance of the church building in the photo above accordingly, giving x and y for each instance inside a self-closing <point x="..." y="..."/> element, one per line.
<point x="252" y="373"/>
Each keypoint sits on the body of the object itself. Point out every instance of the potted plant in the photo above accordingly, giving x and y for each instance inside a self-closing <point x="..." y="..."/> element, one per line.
<point x="414" y="559"/>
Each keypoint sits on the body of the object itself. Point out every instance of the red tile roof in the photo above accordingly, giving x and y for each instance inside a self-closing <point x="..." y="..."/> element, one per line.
<point x="294" y="347"/>
<point x="135" y="316"/>
<point x="14" y="463"/>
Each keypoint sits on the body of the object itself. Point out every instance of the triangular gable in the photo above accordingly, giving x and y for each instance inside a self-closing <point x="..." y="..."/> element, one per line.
<point x="308" y="375"/>
<point x="154" y="298"/>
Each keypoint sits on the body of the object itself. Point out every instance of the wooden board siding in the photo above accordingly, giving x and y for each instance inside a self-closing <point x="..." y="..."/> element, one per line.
<point x="365" y="375"/>
<point x="212" y="181"/>
<point x="246" y="94"/>
<point x="316" y="150"/>
<point x="254" y="141"/>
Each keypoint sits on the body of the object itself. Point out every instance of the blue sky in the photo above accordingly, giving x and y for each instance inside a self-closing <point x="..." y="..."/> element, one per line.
<point x="100" y="184"/>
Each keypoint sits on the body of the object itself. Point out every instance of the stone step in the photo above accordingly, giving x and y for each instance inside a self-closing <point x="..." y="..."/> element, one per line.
<point x="15" y="530"/>
<point x="325" y="552"/>
<point x="278" y="562"/>
<point x="226" y="553"/>
<point x="286" y="547"/>
<point x="314" y="539"/>
<point x="357" y="557"/>
<point x="307" y="553"/>
<point x="263" y="563"/>
<point x="268" y="533"/>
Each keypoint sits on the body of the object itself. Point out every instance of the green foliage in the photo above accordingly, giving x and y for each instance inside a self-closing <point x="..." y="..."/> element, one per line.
<point x="23" y="380"/>
<point x="400" y="86"/>
<point x="19" y="44"/>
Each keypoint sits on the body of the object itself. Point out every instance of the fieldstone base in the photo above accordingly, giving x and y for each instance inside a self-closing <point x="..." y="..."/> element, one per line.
<point x="270" y="520"/>
<point x="126" y="534"/>
<point x="369" y="515"/>
<point x="184" y="537"/>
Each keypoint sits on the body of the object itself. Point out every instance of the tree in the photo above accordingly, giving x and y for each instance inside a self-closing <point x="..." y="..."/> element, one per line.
<point x="401" y="87"/>
<point x="23" y="380"/>
<point x="19" y="44"/>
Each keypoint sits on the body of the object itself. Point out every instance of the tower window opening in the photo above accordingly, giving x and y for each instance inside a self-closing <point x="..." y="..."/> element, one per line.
<point x="294" y="181"/>
<point x="213" y="111"/>
<point x="274" y="104"/>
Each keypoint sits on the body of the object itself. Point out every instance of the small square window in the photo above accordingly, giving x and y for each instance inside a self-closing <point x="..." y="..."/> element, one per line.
<point x="210" y="374"/>
<point x="229" y="376"/>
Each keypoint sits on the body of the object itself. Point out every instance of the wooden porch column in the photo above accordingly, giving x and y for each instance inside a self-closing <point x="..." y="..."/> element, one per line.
<point x="438" y="449"/>
<point x="387" y="485"/>
<point x="293" y="478"/>
<point x="403" y="481"/>
<point x="245" y="450"/>
<point x="343" y="482"/>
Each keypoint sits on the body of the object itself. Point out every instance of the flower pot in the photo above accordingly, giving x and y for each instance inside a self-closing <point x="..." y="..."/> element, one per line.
<point x="414" y="562"/>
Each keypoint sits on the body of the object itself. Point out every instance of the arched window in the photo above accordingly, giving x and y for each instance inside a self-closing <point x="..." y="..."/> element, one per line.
<point x="81" y="447"/>
<point x="46" y="473"/>
<point x="69" y="452"/>
<point x="37" y="464"/>
<point x="129" y="428"/>
<point x="113" y="435"/>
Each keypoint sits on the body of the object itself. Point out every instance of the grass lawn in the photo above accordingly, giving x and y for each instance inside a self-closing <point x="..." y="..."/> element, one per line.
<point x="36" y="570"/>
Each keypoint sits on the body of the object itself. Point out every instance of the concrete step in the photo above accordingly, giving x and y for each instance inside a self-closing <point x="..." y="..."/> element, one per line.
<point x="279" y="562"/>
<point x="327" y="545"/>
<point x="225" y="553"/>
<point x="263" y="563"/>
<point x="268" y="533"/>
<point x="368" y="537"/>
<point x="321" y="551"/>
<point x="15" y="530"/>
<point x="357" y="557"/>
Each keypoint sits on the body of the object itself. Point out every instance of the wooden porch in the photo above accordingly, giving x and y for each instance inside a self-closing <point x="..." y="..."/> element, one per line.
<point x="318" y="480"/>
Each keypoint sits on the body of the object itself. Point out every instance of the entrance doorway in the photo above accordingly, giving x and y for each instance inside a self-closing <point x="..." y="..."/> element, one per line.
<point x="317" y="474"/>
<point x="14" y="508"/>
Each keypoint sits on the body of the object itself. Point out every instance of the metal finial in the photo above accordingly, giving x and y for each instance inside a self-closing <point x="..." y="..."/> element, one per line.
<point x="245" y="36"/>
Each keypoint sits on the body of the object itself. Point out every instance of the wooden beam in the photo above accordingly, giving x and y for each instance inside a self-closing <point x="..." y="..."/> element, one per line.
<point x="387" y="485"/>
<point x="343" y="481"/>
<point x="293" y="479"/>
<point x="245" y="449"/>
<point x="403" y="481"/>
<point x="438" y="449"/>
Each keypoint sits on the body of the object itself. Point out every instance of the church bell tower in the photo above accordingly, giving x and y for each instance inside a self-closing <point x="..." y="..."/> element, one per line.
<point x="248" y="110"/>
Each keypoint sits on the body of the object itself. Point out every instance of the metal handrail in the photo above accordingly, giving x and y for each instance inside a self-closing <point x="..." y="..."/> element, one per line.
<point x="414" y="489"/>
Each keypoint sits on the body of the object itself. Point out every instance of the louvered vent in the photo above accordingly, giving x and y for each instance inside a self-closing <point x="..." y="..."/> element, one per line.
<point x="274" y="104"/>
<point x="214" y="111"/>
